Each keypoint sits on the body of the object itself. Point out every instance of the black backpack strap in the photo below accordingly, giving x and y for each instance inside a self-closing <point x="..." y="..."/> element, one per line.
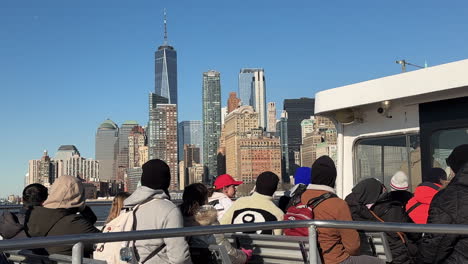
<point x="152" y="254"/>
<point x="411" y="209"/>
<point x="314" y="202"/>
<point x="430" y="185"/>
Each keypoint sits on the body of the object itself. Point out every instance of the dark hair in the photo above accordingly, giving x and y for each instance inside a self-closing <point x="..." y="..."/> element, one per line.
<point x="34" y="195"/>
<point x="195" y="195"/>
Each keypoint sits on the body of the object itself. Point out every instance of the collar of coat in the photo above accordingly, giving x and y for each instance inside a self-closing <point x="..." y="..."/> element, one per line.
<point x="320" y="187"/>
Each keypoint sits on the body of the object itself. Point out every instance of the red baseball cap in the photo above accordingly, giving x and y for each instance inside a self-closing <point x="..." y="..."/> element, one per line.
<point x="225" y="180"/>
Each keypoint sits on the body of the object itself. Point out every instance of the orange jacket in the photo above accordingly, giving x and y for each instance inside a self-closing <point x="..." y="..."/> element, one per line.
<point x="336" y="244"/>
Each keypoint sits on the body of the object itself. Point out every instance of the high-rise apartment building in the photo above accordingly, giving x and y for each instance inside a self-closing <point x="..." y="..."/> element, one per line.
<point x="107" y="147"/>
<point x="307" y="127"/>
<point x="163" y="138"/>
<point x="271" y="123"/>
<point x="211" y="121"/>
<point x="43" y="171"/>
<point x="133" y="178"/>
<point x="232" y="102"/>
<point x="166" y="69"/>
<point x="136" y="141"/>
<point x="254" y="79"/>
<point x="297" y="110"/>
<point x="190" y="133"/>
<point x="77" y="166"/>
<point x="191" y="155"/>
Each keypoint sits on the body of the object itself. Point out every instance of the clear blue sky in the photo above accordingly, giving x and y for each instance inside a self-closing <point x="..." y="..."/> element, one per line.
<point x="65" y="66"/>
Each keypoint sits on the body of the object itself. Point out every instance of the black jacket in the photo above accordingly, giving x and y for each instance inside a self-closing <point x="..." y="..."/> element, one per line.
<point x="449" y="206"/>
<point x="55" y="222"/>
<point x="11" y="224"/>
<point x="389" y="211"/>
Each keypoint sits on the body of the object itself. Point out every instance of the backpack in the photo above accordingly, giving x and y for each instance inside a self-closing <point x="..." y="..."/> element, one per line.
<point x="302" y="211"/>
<point x="121" y="252"/>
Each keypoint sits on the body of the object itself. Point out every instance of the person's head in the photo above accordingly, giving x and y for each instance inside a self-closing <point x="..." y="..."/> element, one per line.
<point x="436" y="175"/>
<point x="267" y="183"/>
<point x="117" y="205"/>
<point x="324" y="172"/>
<point x="458" y="158"/>
<point x="302" y="175"/>
<point x="399" y="182"/>
<point x="156" y="175"/>
<point x="194" y="196"/>
<point x="34" y="195"/>
<point x="66" y="192"/>
<point x="226" y="184"/>
<point x="368" y="191"/>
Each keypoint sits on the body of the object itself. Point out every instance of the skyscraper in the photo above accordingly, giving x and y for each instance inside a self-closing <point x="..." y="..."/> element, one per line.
<point x="43" y="171"/>
<point x="122" y="157"/>
<point x="65" y="152"/>
<point x="136" y="141"/>
<point x="166" y="69"/>
<point x="211" y="121"/>
<point x="271" y="124"/>
<point x="252" y="92"/>
<point x="190" y="132"/>
<point x="163" y="138"/>
<point x="297" y="110"/>
<point x="107" y="146"/>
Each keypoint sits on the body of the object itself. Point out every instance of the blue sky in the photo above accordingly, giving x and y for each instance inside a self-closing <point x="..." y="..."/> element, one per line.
<point x="65" y="66"/>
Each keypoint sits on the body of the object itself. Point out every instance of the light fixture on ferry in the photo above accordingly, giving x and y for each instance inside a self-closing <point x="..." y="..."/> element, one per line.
<point x="345" y="116"/>
<point x="385" y="108"/>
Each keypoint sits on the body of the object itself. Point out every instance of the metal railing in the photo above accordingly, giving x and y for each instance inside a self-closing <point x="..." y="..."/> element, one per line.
<point x="78" y="240"/>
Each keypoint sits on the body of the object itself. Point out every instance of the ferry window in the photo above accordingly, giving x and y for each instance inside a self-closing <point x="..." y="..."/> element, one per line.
<point x="381" y="157"/>
<point x="442" y="144"/>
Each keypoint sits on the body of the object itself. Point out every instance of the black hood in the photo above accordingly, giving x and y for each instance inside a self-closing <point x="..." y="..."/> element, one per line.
<point x="41" y="220"/>
<point x="368" y="191"/>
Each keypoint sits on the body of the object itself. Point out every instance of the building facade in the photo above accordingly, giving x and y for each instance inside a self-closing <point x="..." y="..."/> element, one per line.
<point x="211" y="122"/>
<point x="65" y="152"/>
<point x="136" y="141"/>
<point x="190" y="133"/>
<point x="43" y="171"/>
<point x="164" y="144"/>
<point x="133" y="178"/>
<point x="233" y="102"/>
<point x="271" y="122"/>
<point x="77" y="166"/>
<point x="122" y="156"/>
<point x="297" y="110"/>
<point x="252" y="91"/>
<point x="307" y="127"/>
<point x="107" y="146"/>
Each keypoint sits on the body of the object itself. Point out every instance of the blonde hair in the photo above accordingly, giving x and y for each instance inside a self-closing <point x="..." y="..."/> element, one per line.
<point x="117" y="205"/>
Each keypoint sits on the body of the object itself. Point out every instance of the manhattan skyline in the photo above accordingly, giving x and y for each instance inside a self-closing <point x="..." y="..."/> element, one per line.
<point x="66" y="67"/>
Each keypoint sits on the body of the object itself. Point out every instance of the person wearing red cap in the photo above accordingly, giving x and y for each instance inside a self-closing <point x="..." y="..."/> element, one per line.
<point x="223" y="191"/>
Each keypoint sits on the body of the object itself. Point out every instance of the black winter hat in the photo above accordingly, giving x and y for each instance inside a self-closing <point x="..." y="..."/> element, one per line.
<point x="436" y="175"/>
<point x="324" y="172"/>
<point x="267" y="183"/>
<point x="458" y="157"/>
<point x="156" y="175"/>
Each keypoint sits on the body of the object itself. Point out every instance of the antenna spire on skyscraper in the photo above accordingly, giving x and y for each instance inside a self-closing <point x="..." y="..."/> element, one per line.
<point x="165" y="27"/>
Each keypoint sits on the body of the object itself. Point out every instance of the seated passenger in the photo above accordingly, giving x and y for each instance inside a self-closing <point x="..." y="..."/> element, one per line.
<point x="223" y="191"/>
<point x="418" y="207"/>
<point x="399" y="188"/>
<point x="12" y="224"/>
<point x="301" y="180"/>
<point x="337" y="245"/>
<point x="369" y="201"/>
<point x="64" y="213"/>
<point x="197" y="213"/>
<point x="449" y="206"/>
<point x="117" y="205"/>
<point x="257" y="208"/>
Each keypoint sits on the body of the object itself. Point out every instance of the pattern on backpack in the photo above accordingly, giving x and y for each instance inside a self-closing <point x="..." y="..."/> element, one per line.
<point x="253" y="215"/>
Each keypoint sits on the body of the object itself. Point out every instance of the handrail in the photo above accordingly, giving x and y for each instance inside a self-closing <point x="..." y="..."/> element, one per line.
<point x="40" y="242"/>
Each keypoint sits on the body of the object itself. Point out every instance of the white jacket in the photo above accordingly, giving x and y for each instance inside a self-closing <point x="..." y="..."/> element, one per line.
<point x="221" y="203"/>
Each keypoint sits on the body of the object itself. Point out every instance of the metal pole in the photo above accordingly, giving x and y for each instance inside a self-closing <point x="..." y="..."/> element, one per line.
<point x="77" y="253"/>
<point x="313" y="250"/>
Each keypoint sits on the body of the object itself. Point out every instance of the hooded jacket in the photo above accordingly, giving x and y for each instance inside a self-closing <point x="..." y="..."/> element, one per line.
<point x="367" y="193"/>
<point x="11" y="224"/>
<point x="449" y="206"/>
<point x="423" y="195"/>
<point x="208" y="216"/>
<point x="221" y="203"/>
<point x="256" y="208"/>
<point x="62" y="215"/>
<point x="157" y="212"/>
<point x="336" y="244"/>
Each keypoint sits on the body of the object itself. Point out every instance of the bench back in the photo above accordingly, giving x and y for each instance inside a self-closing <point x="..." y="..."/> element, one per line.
<point x="379" y="245"/>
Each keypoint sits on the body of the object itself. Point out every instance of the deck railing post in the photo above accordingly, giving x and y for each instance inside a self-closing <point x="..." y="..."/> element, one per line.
<point x="77" y="253"/>
<point x="313" y="258"/>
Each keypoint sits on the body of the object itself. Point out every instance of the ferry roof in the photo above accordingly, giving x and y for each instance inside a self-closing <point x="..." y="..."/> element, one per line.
<point x="423" y="81"/>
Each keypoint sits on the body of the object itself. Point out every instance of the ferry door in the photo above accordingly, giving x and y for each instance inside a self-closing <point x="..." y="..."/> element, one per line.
<point x="443" y="126"/>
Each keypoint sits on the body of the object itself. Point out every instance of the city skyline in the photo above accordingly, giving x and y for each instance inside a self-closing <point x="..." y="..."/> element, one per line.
<point x="113" y="65"/>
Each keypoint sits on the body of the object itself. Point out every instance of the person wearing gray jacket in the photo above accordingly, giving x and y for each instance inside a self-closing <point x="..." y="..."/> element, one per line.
<point x="156" y="211"/>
